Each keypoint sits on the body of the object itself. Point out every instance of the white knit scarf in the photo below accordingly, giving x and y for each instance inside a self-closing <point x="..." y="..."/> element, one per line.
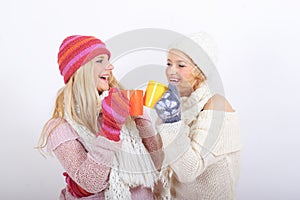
<point x="191" y="106"/>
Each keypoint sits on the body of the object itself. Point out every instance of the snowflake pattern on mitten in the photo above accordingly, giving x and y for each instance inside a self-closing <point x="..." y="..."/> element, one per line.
<point x="168" y="107"/>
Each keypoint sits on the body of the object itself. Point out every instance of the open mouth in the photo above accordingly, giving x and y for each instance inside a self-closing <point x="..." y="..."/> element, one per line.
<point x="104" y="77"/>
<point x="174" y="80"/>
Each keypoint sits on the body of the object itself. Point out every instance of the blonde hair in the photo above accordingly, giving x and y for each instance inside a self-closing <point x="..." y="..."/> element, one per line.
<point x="79" y="98"/>
<point x="197" y="72"/>
<point x="199" y="77"/>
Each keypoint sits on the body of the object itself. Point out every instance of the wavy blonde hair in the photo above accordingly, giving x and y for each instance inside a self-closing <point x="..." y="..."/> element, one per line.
<point x="196" y="72"/>
<point x="199" y="77"/>
<point x="79" y="98"/>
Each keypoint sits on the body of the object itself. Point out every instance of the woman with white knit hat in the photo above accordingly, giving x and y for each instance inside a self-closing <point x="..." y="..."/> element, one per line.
<point x="198" y="126"/>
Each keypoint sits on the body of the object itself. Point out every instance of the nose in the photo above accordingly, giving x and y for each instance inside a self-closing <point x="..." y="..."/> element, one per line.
<point x="172" y="69"/>
<point x="109" y="67"/>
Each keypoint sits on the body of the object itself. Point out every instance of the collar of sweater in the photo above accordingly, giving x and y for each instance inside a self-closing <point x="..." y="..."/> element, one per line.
<point x="191" y="106"/>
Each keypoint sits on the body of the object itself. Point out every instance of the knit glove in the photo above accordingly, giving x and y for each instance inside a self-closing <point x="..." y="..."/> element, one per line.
<point x="168" y="107"/>
<point x="103" y="150"/>
<point x="115" y="109"/>
<point x="74" y="188"/>
<point x="144" y="124"/>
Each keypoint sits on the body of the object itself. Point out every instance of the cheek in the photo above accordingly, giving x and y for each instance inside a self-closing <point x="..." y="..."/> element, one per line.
<point x="167" y="71"/>
<point x="186" y="74"/>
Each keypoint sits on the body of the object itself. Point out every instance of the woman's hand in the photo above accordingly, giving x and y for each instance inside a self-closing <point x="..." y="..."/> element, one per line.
<point x="168" y="107"/>
<point x="150" y="139"/>
<point x="115" y="110"/>
<point x="144" y="124"/>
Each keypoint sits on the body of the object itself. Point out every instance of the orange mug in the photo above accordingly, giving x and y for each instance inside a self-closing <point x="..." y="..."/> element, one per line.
<point x="135" y="98"/>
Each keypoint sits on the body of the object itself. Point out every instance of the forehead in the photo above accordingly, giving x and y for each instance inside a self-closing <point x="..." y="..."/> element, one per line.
<point x="177" y="55"/>
<point x="103" y="56"/>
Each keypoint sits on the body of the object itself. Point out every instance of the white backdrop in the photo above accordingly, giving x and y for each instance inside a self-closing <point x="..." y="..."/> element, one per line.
<point x="258" y="44"/>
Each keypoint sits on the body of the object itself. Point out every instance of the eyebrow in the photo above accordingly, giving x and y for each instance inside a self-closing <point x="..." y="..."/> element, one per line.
<point x="178" y="60"/>
<point x="100" y="56"/>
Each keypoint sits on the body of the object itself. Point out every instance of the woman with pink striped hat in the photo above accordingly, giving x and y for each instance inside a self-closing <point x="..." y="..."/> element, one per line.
<point x="104" y="152"/>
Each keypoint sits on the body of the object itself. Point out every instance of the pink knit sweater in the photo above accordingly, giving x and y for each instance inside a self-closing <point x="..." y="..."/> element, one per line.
<point x="89" y="173"/>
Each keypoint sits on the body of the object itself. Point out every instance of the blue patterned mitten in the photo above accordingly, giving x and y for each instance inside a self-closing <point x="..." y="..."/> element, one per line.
<point x="168" y="107"/>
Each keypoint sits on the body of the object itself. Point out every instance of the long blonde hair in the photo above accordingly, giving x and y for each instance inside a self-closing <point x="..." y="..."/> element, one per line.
<point x="79" y="98"/>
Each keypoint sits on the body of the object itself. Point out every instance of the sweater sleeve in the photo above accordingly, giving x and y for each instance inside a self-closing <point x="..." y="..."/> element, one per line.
<point x="153" y="144"/>
<point x="188" y="149"/>
<point x="181" y="152"/>
<point x="82" y="167"/>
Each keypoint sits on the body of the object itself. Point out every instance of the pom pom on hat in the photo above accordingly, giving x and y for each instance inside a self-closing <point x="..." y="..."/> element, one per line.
<point x="77" y="50"/>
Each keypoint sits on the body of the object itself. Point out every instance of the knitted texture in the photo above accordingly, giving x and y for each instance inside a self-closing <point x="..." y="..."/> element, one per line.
<point x="77" y="50"/>
<point x="88" y="170"/>
<point x="168" y="107"/>
<point x="132" y="165"/>
<point x="150" y="139"/>
<point x="115" y="109"/>
<point x="90" y="174"/>
<point x="203" y="170"/>
<point x="201" y="48"/>
<point x="144" y="124"/>
<point x="217" y="182"/>
<point x="74" y="188"/>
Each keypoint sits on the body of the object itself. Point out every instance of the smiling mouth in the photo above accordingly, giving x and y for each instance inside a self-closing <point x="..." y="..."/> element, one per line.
<point x="174" y="80"/>
<point x="104" y="77"/>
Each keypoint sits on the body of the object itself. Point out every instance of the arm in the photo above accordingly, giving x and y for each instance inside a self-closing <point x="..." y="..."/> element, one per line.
<point x="181" y="144"/>
<point x="183" y="150"/>
<point x="88" y="170"/>
<point x="150" y="139"/>
<point x="213" y="122"/>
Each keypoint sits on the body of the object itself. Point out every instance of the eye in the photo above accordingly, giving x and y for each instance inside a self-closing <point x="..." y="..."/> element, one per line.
<point x="169" y="64"/>
<point x="181" y="65"/>
<point x="99" y="61"/>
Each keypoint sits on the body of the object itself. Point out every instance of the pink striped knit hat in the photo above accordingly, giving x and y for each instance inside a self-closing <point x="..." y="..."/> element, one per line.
<point x="77" y="50"/>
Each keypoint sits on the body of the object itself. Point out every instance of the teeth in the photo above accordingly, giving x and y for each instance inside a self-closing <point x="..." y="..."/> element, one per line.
<point x="173" y="79"/>
<point x="104" y="77"/>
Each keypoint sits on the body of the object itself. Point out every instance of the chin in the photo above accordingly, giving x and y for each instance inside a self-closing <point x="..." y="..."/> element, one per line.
<point x="106" y="88"/>
<point x="103" y="88"/>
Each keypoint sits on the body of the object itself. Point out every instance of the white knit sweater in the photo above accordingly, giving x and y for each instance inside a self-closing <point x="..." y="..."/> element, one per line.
<point x="202" y="150"/>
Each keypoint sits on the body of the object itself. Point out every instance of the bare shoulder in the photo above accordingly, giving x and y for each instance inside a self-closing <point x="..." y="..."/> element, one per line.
<point x="218" y="102"/>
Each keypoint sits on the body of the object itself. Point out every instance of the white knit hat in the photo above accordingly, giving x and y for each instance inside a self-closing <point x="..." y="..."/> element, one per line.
<point x="200" y="47"/>
<point x="207" y="43"/>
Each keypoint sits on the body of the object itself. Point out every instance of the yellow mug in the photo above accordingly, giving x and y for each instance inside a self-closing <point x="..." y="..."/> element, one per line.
<point x="153" y="93"/>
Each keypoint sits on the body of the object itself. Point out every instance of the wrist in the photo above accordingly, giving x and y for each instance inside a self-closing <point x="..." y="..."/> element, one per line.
<point x="103" y="150"/>
<point x="174" y="119"/>
<point x="110" y="133"/>
<point x="146" y="131"/>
